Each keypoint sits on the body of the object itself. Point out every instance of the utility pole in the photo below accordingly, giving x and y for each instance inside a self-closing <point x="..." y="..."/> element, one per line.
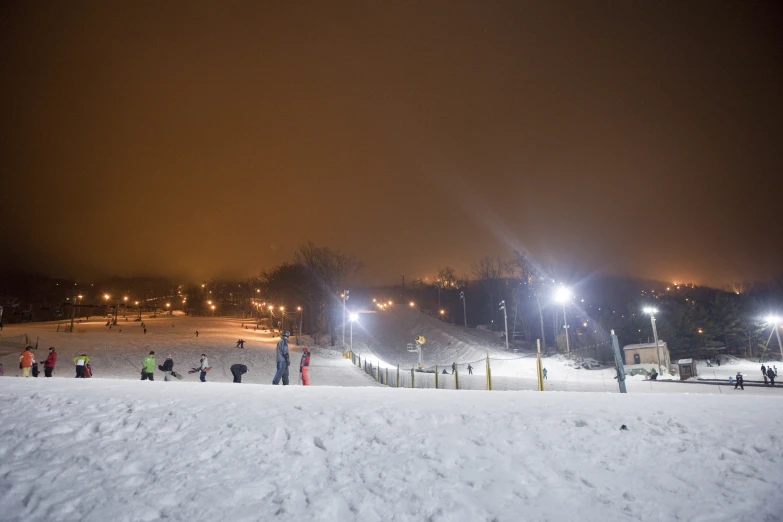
<point x="73" y="310"/>
<point x="300" y="324"/>
<point x="464" y="308"/>
<point x="505" y="319"/>
<point x="618" y="359"/>
<point x="565" y="325"/>
<point x="652" y="312"/>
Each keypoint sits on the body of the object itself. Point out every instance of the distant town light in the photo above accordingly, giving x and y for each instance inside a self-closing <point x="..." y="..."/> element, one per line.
<point x="650" y="310"/>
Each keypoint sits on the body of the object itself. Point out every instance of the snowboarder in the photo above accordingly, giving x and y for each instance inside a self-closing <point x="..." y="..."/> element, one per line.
<point x="771" y="375"/>
<point x="544" y="372"/>
<point x="453" y="368"/>
<point x="203" y="368"/>
<point x="237" y="370"/>
<point x="51" y="360"/>
<point x="739" y="381"/>
<point x="167" y="368"/>
<point x="764" y="373"/>
<point x="304" y="366"/>
<point x="80" y="361"/>
<point x="653" y="374"/>
<point x="470" y="369"/>
<point x="26" y="361"/>
<point x="241" y="343"/>
<point x="148" y="367"/>
<point x="283" y="360"/>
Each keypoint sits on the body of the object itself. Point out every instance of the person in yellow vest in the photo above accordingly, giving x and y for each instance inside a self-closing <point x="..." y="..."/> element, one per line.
<point x="26" y="361"/>
<point x="80" y="362"/>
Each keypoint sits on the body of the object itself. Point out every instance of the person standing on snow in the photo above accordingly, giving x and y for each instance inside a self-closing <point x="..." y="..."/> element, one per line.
<point x="167" y="368"/>
<point x="148" y="367"/>
<point x="764" y="373"/>
<point x="544" y="372"/>
<point x="50" y="362"/>
<point x="739" y="382"/>
<point x="470" y="370"/>
<point x="26" y="361"/>
<point x="237" y="370"/>
<point x="771" y="375"/>
<point x="80" y="363"/>
<point x="283" y="360"/>
<point x="304" y="366"/>
<point x="203" y="368"/>
<point x="453" y="368"/>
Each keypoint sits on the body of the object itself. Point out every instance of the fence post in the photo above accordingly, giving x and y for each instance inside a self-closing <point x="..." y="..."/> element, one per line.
<point x="489" y="375"/>
<point x="618" y="359"/>
<point x="436" y="376"/>
<point x="412" y="378"/>
<point x="398" y="375"/>
<point x="387" y="376"/>
<point x="456" y="376"/>
<point x="379" y="371"/>
<point x="539" y="366"/>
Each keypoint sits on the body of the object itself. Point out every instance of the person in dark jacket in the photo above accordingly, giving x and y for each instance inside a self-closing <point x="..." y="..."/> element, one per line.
<point x="771" y="375"/>
<point x="304" y="366"/>
<point x="237" y="370"/>
<point x="167" y="368"/>
<point x="470" y="370"/>
<point x="764" y="374"/>
<point x="283" y="360"/>
<point x="453" y="368"/>
<point x="50" y="362"/>
<point x="739" y="381"/>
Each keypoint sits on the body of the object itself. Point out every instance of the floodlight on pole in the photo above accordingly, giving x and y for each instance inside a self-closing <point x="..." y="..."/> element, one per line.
<point x="651" y="311"/>
<point x="775" y="322"/>
<point x="345" y="297"/>
<point x="353" y="317"/>
<point x="563" y="295"/>
<point x="464" y="309"/>
<point x="505" y="319"/>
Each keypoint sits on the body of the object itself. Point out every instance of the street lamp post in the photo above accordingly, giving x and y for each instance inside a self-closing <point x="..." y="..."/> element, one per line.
<point x="464" y="309"/>
<point x="652" y="311"/>
<point x="126" y="307"/>
<point x="775" y="322"/>
<point x="345" y="298"/>
<point x="299" y="309"/>
<point x="282" y="319"/>
<point x="562" y="296"/>
<point x="213" y="310"/>
<point x="505" y="319"/>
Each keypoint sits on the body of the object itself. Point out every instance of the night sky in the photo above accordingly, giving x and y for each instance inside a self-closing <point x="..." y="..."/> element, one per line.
<point x="207" y="139"/>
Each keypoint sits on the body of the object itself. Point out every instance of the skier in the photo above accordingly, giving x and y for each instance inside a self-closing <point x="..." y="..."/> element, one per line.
<point x="470" y="369"/>
<point x="80" y="362"/>
<point x="771" y="375"/>
<point x="453" y="368"/>
<point x="148" y="367"/>
<point x="283" y="359"/>
<point x="51" y="360"/>
<point x="26" y="361"/>
<point x="304" y="366"/>
<point x="204" y="368"/>
<point x="167" y="368"/>
<point x="739" y="381"/>
<point x="237" y="370"/>
<point x="544" y="372"/>
<point x="241" y="343"/>
<point x="764" y="373"/>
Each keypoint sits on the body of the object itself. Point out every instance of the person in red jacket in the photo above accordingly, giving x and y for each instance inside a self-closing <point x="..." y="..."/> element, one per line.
<point x="304" y="366"/>
<point x="26" y="361"/>
<point x="50" y="362"/>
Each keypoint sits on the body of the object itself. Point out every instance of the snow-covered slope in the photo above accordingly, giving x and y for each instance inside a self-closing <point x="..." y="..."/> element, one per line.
<point x="121" y="450"/>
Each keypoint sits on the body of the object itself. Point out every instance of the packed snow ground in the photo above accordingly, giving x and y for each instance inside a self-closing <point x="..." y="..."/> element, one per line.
<point x="121" y="450"/>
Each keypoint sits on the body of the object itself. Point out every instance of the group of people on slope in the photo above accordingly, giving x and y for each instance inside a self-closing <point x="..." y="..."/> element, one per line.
<point x="29" y="366"/>
<point x="769" y="374"/>
<point x="283" y="361"/>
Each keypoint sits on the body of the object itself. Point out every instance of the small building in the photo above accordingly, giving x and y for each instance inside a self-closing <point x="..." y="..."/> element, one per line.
<point x="687" y="369"/>
<point x="645" y="354"/>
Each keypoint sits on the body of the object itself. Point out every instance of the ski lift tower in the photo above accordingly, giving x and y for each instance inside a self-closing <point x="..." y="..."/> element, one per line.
<point x="415" y="346"/>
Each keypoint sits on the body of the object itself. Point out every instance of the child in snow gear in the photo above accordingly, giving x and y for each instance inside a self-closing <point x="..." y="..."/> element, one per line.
<point x="771" y="375"/>
<point x="653" y="374"/>
<point x="544" y="372"/>
<point x="50" y="362"/>
<point x="470" y="370"/>
<point x="739" y="382"/>
<point x="304" y="366"/>
<point x="445" y="372"/>
<point x="26" y="361"/>
<point x="148" y="367"/>
<point x="80" y="362"/>
<point x="237" y="370"/>
<point x="283" y="360"/>
<point x="167" y="368"/>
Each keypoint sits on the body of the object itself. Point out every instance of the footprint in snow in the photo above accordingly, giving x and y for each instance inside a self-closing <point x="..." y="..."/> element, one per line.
<point x="319" y="443"/>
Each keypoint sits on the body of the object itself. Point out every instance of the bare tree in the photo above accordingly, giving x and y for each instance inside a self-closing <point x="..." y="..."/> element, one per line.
<point x="490" y="273"/>
<point x="537" y="283"/>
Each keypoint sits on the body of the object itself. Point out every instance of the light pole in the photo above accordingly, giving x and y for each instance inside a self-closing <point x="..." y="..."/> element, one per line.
<point x="562" y="295"/>
<point x="354" y="317"/>
<point x="282" y="319"/>
<point x="168" y="308"/>
<point x="126" y="306"/>
<point x="299" y="309"/>
<point x="73" y="309"/>
<point x="464" y="308"/>
<point x="345" y="298"/>
<point x="213" y="310"/>
<point x="139" y="308"/>
<point x="505" y="319"/>
<point x="652" y="311"/>
<point x="775" y="322"/>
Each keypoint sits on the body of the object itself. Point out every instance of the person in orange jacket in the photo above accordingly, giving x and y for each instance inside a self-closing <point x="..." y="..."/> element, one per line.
<point x="304" y="366"/>
<point x="26" y="361"/>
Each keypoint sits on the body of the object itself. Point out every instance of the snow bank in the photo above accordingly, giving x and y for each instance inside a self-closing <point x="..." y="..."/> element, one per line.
<point x="121" y="450"/>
